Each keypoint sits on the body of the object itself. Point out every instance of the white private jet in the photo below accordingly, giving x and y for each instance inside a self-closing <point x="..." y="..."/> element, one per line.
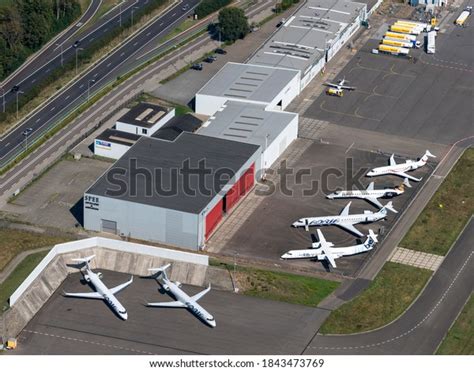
<point x="324" y="250"/>
<point x="183" y="300"/>
<point x="344" y="220"/>
<point x="401" y="169"/>
<point x="103" y="292"/>
<point x="370" y="194"/>
<point x="337" y="88"/>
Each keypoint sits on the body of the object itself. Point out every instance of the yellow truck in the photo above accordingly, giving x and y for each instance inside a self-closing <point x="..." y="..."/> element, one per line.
<point x="394" y="50"/>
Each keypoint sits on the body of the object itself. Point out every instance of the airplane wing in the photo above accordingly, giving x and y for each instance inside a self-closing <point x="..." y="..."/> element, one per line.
<point x="85" y="295"/>
<point x="119" y="288"/>
<point x="348" y="87"/>
<point x="370" y="187"/>
<point x="201" y="294"/>
<point x="405" y="175"/>
<point x="392" y="160"/>
<point x="345" y="211"/>
<point x="330" y="259"/>
<point x="168" y="304"/>
<point x="351" y="228"/>
<point x="321" y="238"/>
<point x="331" y="84"/>
<point x="374" y="201"/>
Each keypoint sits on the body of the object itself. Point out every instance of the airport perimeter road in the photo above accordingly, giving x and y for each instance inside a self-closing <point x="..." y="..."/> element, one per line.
<point x="96" y="77"/>
<point x="423" y="326"/>
<point x="45" y="56"/>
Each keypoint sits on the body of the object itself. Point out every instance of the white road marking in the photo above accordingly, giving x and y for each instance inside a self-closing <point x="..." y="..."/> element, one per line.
<point x="66" y="97"/>
<point x="80" y="87"/>
<point x="53" y="108"/>
<point x="38" y="120"/>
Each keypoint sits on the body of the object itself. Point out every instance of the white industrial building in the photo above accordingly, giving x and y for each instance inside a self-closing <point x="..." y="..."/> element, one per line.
<point x="274" y="88"/>
<point x="144" y="119"/>
<point x="272" y="131"/>
<point x="311" y="37"/>
<point x="113" y="143"/>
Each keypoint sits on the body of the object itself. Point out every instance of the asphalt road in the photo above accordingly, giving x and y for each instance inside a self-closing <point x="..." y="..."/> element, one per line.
<point x="33" y="69"/>
<point x="245" y="325"/>
<point x="423" y="326"/>
<point x="51" y="59"/>
<point x="96" y="77"/>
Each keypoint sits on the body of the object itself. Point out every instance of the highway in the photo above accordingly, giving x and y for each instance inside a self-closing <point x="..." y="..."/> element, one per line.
<point x="96" y="77"/>
<point x="423" y="326"/>
<point x="63" y="49"/>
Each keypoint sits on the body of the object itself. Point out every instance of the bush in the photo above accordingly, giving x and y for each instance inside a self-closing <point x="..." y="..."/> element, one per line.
<point x="207" y="7"/>
<point x="233" y="24"/>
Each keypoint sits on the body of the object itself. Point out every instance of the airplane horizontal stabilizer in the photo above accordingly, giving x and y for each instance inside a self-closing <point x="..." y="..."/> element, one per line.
<point x="345" y="211"/>
<point x="87" y="259"/>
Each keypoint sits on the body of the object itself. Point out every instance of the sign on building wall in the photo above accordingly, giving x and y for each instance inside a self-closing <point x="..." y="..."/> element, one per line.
<point x="102" y="143"/>
<point x="91" y="202"/>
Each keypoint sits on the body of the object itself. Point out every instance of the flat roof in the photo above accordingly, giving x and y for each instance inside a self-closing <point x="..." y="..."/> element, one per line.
<point x="120" y="137"/>
<point x="248" y="123"/>
<point x="249" y="82"/>
<point x="302" y="40"/>
<point x="144" y="115"/>
<point x="178" y="124"/>
<point x="172" y="185"/>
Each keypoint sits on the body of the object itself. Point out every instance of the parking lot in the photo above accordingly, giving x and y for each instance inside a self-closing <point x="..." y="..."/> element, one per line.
<point x="321" y="169"/>
<point x="426" y="98"/>
<point x="80" y="326"/>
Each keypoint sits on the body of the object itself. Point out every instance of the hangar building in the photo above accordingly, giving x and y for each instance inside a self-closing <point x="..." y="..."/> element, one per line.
<point x="272" y="131"/>
<point x="144" y="119"/>
<point x="273" y="87"/>
<point x="311" y="37"/>
<point x="173" y="192"/>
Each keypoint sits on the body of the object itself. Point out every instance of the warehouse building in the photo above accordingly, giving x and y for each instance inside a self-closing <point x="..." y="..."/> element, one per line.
<point x="311" y="37"/>
<point x="272" y="131"/>
<point x="144" y="119"/>
<point x="113" y="143"/>
<point x="173" y="128"/>
<point x="172" y="192"/>
<point x="273" y="87"/>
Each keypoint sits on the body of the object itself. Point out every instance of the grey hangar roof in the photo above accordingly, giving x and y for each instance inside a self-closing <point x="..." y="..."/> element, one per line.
<point x="165" y="161"/>
<point x="302" y="40"/>
<point x="248" y="82"/>
<point x="248" y="123"/>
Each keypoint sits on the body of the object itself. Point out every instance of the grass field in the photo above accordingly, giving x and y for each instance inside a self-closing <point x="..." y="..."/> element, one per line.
<point x="17" y="276"/>
<point x="392" y="291"/>
<point x="448" y="211"/>
<point x="460" y="338"/>
<point x="13" y="241"/>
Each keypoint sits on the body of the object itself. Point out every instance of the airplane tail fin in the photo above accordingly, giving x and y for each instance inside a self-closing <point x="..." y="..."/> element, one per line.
<point x="85" y="260"/>
<point x="160" y="270"/>
<point x="406" y="183"/>
<point x="429" y="154"/>
<point x="373" y="236"/>
<point x="388" y="206"/>
<point x="425" y="157"/>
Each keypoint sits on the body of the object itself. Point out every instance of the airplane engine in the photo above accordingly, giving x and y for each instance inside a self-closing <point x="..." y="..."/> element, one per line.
<point x="87" y="278"/>
<point x="99" y="274"/>
<point x="166" y="287"/>
<point x="179" y="284"/>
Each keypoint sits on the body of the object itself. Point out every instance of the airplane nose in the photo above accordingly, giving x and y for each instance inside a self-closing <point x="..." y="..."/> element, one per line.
<point x="125" y="316"/>
<point x="212" y="323"/>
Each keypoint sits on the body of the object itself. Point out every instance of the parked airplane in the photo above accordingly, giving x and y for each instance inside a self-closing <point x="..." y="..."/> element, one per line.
<point x="401" y="169"/>
<point x="183" y="300"/>
<point x="102" y="291"/>
<point x="370" y="194"/>
<point x="337" y="88"/>
<point x="344" y="220"/>
<point x="324" y="250"/>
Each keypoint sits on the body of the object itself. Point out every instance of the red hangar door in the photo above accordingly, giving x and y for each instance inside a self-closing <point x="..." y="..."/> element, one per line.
<point x="213" y="218"/>
<point x="240" y="188"/>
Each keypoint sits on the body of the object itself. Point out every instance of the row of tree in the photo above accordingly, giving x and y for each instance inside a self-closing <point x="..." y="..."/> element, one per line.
<point x="26" y="25"/>
<point x="207" y="7"/>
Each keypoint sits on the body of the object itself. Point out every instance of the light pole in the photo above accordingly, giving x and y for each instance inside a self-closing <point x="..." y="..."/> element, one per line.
<point x="77" y="49"/>
<point x="3" y="99"/>
<point x="89" y="88"/>
<point x="62" y="59"/>
<point x="133" y="10"/>
<point x="17" y="92"/>
<point x="120" y="14"/>
<point x="26" y="133"/>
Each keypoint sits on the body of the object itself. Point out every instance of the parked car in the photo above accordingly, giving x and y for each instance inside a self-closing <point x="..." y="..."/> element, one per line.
<point x="220" y="51"/>
<point x="210" y="59"/>
<point x="197" y="66"/>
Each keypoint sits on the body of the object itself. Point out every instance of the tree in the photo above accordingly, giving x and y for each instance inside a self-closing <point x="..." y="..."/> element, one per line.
<point x="233" y="24"/>
<point x="37" y="19"/>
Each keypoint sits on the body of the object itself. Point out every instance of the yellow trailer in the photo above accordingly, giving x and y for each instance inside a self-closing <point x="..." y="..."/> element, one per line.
<point x="462" y="18"/>
<point x="407" y="30"/>
<point x="401" y="36"/>
<point x="393" y="50"/>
